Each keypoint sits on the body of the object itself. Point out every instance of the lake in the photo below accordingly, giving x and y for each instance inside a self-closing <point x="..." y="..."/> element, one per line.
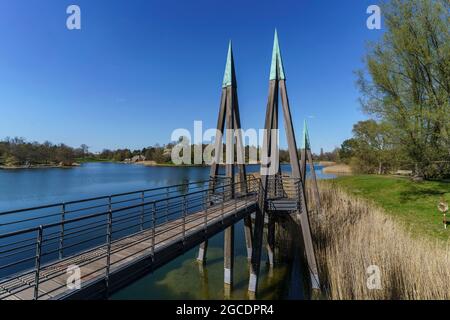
<point x="182" y="278"/>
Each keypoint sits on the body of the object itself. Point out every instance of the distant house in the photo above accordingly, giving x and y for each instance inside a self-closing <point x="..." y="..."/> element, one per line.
<point x="167" y="152"/>
<point x="138" y="158"/>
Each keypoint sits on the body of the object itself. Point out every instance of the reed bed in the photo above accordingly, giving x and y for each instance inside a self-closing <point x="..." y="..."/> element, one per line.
<point x="352" y="234"/>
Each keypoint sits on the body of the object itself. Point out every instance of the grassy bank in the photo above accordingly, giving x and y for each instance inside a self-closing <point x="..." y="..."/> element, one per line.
<point x="91" y="159"/>
<point x="353" y="234"/>
<point x="412" y="204"/>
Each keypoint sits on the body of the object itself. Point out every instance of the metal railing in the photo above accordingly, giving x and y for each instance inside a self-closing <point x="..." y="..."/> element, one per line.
<point x="88" y="231"/>
<point x="282" y="186"/>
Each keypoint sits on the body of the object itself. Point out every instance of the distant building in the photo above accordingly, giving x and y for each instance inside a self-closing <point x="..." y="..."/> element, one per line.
<point x="138" y="158"/>
<point x="167" y="152"/>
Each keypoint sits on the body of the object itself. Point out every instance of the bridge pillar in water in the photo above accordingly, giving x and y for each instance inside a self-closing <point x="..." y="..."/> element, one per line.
<point x="256" y="251"/>
<point x="229" y="115"/>
<point x="228" y="256"/>
<point x="248" y="236"/>
<point x="270" y="239"/>
<point x="202" y="252"/>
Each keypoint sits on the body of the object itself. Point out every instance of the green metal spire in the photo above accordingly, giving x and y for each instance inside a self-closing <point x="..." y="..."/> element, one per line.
<point x="276" y="70"/>
<point x="305" y="140"/>
<point x="229" y="79"/>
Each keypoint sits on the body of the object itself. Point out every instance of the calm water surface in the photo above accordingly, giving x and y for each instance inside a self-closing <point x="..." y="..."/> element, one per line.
<point x="183" y="278"/>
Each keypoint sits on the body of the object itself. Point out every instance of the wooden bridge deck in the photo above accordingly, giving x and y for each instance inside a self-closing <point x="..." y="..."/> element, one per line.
<point x="130" y="257"/>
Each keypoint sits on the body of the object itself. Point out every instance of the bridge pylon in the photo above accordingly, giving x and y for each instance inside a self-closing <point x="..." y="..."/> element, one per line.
<point x="229" y="121"/>
<point x="306" y="157"/>
<point x="270" y="171"/>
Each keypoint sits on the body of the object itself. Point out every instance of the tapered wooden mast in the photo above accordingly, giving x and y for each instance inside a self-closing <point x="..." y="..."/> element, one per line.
<point x="229" y="119"/>
<point x="277" y="88"/>
<point x="306" y="156"/>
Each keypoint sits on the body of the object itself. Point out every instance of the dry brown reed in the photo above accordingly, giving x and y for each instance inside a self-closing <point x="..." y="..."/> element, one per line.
<point x="352" y="234"/>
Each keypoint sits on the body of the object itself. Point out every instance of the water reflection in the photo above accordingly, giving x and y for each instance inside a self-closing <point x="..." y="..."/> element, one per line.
<point x="186" y="278"/>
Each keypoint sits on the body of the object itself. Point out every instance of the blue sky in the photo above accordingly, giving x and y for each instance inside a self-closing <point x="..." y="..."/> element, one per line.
<point x="139" y="69"/>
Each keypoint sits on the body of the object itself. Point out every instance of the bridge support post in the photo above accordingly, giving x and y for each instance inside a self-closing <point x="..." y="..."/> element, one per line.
<point x="277" y="90"/>
<point x="256" y="254"/>
<point x="248" y="236"/>
<point x="202" y="252"/>
<point x="270" y="239"/>
<point x="307" y="157"/>
<point x="228" y="256"/>
<point x="229" y="119"/>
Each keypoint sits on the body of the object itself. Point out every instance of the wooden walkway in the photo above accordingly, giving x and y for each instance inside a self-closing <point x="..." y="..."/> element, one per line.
<point x="130" y="257"/>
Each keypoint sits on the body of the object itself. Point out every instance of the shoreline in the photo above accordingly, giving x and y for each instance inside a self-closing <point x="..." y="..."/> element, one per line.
<point x="40" y="166"/>
<point x="154" y="164"/>
<point x="338" y="169"/>
<point x="328" y="167"/>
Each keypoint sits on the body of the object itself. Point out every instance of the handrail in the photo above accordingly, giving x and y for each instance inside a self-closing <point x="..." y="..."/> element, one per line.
<point x="179" y="206"/>
<point x="54" y="205"/>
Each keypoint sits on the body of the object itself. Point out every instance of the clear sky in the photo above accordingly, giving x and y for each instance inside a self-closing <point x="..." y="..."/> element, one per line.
<point x="139" y="69"/>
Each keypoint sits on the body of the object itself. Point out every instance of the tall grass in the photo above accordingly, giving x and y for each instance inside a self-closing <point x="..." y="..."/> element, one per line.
<point x="352" y="234"/>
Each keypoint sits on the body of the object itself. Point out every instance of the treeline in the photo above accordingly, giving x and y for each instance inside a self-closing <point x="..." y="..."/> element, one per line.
<point x="157" y="153"/>
<point x="19" y="152"/>
<point x="375" y="148"/>
<point x="406" y="88"/>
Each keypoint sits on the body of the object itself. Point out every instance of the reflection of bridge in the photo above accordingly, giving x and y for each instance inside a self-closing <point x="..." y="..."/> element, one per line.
<point x="115" y="240"/>
<point x="111" y="241"/>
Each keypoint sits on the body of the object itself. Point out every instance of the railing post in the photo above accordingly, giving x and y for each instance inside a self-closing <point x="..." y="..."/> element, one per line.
<point x="167" y="203"/>
<point x="222" y="205"/>
<point x="235" y="205"/>
<point x="297" y="191"/>
<point x="61" y="238"/>
<point x="153" y="229"/>
<point x="142" y="209"/>
<point x="184" y="217"/>
<point x="205" y="209"/>
<point x="38" y="262"/>
<point x="108" y="246"/>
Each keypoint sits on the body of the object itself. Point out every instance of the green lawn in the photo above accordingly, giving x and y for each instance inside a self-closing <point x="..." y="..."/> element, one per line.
<point x="412" y="203"/>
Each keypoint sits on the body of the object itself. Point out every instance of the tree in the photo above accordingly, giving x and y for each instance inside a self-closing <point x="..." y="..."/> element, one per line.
<point x="407" y="83"/>
<point x="84" y="150"/>
<point x="372" y="145"/>
<point x="348" y="150"/>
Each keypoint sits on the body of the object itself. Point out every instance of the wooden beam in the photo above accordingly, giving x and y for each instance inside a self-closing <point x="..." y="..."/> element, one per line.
<point x="303" y="165"/>
<point x="228" y="255"/>
<point x="260" y="212"/>
<point x="295" y="166"/>
<point x="214" y="170"/>
<point x="270" y="239"/>
<point x="242" y="174"/>
<point x="219" y="140"/>
<point x="315" y="187"/>
<point x="230" y="139"/>
<point x="240" y="144"/>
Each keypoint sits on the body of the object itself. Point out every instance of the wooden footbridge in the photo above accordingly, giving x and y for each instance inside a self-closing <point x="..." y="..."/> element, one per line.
<point x="108" y="242"/>
<point x="115" y="240"/>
